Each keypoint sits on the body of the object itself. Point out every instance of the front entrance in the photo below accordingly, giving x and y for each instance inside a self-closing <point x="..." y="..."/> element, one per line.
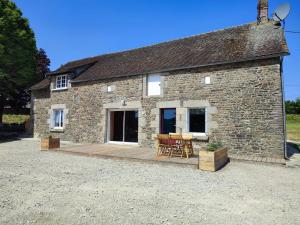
<point x="123" y="126"/>
<point x="167" y="121"/>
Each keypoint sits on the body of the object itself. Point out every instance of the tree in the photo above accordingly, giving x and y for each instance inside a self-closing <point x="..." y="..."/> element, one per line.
<point x="17" y="54"/>
<point x="43" y="63"/>
<point x="292" y="107"/>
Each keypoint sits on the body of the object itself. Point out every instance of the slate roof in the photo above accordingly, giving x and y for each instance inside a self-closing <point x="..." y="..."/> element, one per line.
<point x="41" y="85"/>
<point x="236" y="44"/>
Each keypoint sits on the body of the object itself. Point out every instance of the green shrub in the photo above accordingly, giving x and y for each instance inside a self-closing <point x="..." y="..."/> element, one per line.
<point x="9" y="119"/>
<point x="214" y="146"/>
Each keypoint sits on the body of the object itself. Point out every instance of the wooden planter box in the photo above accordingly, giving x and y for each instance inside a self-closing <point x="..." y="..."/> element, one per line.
<point x="50" y="143"/>
<point x="212" y="161"/>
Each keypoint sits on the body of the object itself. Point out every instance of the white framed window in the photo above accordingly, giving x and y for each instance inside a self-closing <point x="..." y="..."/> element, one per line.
<point x="197" y="120"/>
<point x="61" y="82"/>
<point x="207" y="80"/>
<point x="109" y="89"/>
<point x="58" y="118"/>
<point x="153" y="85"/>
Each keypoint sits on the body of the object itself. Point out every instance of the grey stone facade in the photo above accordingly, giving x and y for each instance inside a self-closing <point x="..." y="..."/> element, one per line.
<point x="243" y="103"/>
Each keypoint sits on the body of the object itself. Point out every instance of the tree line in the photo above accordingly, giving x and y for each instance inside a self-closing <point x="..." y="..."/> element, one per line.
<point x="292" y="107"/>
<point x="21" y="63"/>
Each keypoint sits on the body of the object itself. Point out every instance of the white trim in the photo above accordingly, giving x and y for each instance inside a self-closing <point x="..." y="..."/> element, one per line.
<point x="61" y="119"/>
<point x="108" y="125"/>
<point x="51" y="117"/>
<point x="122" y="143"/>
<point x="155" y="91"/>
<point x="65" y="76"/>
<point x="207" y="80"/>
<point x="60" y="89"/>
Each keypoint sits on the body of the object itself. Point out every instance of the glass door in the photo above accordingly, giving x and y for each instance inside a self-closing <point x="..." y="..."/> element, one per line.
<point x="124" y="126"/>
<point x="167" y="121"/>
<point x="116" y="125"/>
<point x="131" y="126"/>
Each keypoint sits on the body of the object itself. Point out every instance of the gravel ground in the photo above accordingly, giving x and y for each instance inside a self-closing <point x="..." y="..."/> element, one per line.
<point x="54" y="188"/>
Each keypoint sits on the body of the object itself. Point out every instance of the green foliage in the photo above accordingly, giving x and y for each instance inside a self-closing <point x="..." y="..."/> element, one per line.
<point x="293" y="127"/>
<point x="9" y="119"/>
<point x="292" y="107"/>
<point x="43" y="63"/>
<point x="214" y="146"/>
<point x="293" y="118"/>
<point x="17" y="53"/>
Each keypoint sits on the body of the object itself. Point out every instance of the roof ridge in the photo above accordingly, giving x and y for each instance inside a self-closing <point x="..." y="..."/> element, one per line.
<point x="164" y="42"/>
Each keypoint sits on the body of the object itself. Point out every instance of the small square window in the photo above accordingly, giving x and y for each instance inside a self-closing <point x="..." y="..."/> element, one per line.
<point x="207" y="80"/>
<point x="61" y="82"/>
<point x="153" y="82"/>
<point x="109" y="89"/>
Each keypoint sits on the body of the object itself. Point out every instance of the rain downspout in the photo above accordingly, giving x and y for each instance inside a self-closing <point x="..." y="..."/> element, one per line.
<point x="283" y="109"/>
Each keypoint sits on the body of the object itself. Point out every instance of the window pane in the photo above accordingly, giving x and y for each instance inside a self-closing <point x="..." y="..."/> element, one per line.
<point x="207" y="80"/>
<point x="61" y="118"/>
<point x="56" y="118"/>
<point x="154" y="85"/>
<point x="58" y="82"/>
<point x="168" y="121"/>
<point x="197" y="120"/>
<point x="131" y="126"/>
<point x="63" y="82"/>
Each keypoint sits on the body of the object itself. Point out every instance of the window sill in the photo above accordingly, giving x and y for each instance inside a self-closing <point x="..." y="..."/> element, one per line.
<point x="153" y="96"/>
<point x="60" y="89"/>
<point x="57" y="130"/>
<point x="200" y="136"/>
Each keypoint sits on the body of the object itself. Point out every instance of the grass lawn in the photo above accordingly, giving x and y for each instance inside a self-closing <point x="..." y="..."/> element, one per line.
<point x="293" y="127"/>
<point x="8" y="119"/>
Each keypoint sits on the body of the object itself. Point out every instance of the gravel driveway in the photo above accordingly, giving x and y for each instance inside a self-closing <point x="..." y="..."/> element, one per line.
<point x="54" y="188"/>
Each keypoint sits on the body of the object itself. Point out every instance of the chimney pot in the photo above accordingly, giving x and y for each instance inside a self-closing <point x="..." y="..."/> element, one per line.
<point x="263" y="11"/>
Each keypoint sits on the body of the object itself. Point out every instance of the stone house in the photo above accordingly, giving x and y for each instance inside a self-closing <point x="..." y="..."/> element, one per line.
<point x="225" y="86"/>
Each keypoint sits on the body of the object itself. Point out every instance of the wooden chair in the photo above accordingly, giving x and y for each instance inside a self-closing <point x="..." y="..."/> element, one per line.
<point x="176" y="145"/>
<point x="163" y="146"/>
<point x="188" y="139"/>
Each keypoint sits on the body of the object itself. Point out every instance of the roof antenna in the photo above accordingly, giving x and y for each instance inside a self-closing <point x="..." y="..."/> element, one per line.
<point x="281" y="12"/>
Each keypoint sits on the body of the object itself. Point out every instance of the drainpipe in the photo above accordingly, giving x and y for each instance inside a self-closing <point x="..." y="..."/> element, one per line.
<point x="283" y="109"/>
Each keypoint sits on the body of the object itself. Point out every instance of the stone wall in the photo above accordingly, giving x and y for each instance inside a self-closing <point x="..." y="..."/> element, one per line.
<point x="243" y="102"/>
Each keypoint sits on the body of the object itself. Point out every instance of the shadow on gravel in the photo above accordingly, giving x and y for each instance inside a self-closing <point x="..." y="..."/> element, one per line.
<point x="13" y="136"/>
<point x="292" y="149"/>
<point x="4" y="139"/>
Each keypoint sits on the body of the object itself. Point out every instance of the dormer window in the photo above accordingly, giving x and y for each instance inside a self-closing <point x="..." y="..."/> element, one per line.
<point x="61" y="82"/>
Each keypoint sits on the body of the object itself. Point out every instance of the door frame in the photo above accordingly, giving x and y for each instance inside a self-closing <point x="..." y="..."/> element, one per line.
<point x="108" y="126"/>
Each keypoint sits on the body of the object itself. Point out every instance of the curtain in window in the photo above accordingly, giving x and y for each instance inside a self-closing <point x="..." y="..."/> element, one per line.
<point x="58" y="118"/>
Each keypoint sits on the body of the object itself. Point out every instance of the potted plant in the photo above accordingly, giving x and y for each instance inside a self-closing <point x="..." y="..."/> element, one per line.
<point x="50" y="143"/>
<point x="213" y="157"/>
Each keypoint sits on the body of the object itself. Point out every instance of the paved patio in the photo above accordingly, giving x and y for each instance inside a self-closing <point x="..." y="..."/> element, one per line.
<point x="128" y="152"/>
<point x="135" y="153"/>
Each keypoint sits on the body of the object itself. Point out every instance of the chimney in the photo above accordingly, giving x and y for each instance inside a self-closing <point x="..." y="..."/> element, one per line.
<point x="262" y="10"/>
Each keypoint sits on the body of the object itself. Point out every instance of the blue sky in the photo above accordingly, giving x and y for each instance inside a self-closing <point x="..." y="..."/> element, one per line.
<point x="74" y="29"/>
